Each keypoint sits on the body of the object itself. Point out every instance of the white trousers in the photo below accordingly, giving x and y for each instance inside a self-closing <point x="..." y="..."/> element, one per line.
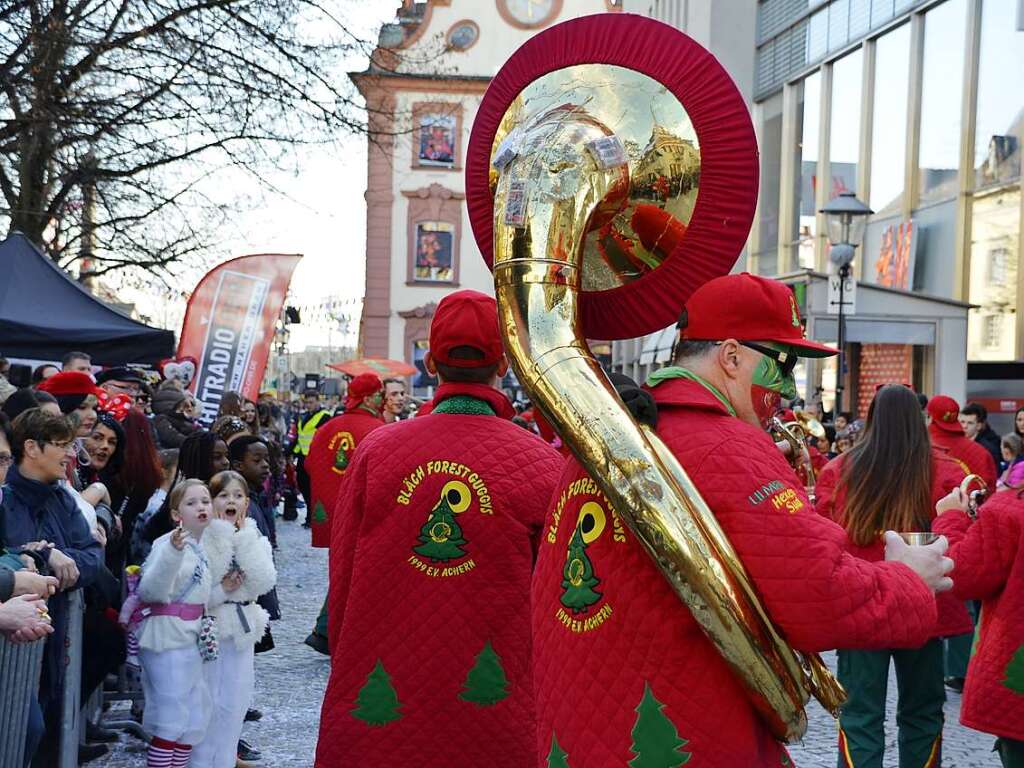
<point x="177" y="702"/>
<point x="230" y="682"/>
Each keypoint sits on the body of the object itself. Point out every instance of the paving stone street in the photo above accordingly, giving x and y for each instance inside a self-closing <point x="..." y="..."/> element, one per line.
<point x="290" y="682"/>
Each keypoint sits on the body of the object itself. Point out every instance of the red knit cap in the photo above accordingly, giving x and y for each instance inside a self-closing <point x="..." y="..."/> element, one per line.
<point x="466" y="319"/>
<point x="361" y="387"/>
<point x="69" y="383"/>
<point x="945" y="413"/>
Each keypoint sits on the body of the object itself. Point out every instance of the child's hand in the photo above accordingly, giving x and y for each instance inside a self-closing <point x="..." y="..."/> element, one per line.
<point x="178" y="538"/>
<point x="232" y="581"/>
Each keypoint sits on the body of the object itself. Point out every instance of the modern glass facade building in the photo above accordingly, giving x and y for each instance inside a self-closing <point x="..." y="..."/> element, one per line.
<point x="918" y="108"/>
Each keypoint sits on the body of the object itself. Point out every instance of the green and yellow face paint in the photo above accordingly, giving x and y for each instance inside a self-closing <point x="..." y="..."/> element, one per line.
<point x="773" y="379"/>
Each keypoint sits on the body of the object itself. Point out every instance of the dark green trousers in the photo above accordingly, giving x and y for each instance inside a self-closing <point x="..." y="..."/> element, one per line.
<point x="958" y="648"/>
<point x="865" y="675"/>
<point x="321" y="621"/>
<point x="1011" y="752"/>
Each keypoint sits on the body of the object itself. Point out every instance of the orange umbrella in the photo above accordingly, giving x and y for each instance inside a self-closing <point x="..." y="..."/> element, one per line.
<point x="380" y="366"/>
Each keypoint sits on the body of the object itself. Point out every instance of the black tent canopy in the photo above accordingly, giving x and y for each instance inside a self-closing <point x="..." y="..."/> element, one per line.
<point x="44" y="313"/>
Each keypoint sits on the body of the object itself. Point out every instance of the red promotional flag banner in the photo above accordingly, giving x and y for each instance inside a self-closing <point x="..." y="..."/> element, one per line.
<point x="229" y="326"/>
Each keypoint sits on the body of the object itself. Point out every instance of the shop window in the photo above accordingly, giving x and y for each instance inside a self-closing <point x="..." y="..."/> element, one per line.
<point x="941" y="97"/>
<point x="423" y="383"/>
<point x="1000" y="113"/>
<point x="765" y="261"/>
<point x="995" y="255"/>
<point x="844" y="142"/>
<point x="998" y="261"/>
<point x="889" y="131"/>
<point x="437" y="129"/>
<point x="805" y="228"/>
<point x="993" y="331"/>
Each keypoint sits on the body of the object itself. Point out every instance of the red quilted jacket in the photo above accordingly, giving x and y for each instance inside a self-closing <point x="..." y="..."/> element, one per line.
<point x="971" y="456"/>
<point x="432" y="550"/>
<point x="989" y="558"/>
<point x="330" y="454"/>
<point x="621" y="669"/>
<point x="953" y="618"/>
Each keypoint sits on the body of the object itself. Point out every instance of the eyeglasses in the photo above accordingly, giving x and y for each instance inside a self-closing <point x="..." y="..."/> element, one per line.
<point x="786" y="360"/>
<point x="65" y="446"/>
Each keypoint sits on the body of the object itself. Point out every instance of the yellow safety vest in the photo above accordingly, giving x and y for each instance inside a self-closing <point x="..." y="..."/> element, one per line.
<point x="304" y="439"/>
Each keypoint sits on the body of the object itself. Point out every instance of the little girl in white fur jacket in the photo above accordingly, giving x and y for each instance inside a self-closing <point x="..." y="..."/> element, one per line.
<point x="247" y="572"/>
<point x="173" y="591"/>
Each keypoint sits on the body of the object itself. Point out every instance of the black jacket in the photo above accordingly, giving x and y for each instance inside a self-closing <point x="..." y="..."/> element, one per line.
<point x="32" y="511"/>
<point x="989" y="440"/>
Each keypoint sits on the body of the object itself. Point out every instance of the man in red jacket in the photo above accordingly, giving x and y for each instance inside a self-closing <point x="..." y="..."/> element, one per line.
<point x="622" y="671"/>
<point x="328" y="460"/>
<point x="947" y="435"/>
<point x="432" y="549"/>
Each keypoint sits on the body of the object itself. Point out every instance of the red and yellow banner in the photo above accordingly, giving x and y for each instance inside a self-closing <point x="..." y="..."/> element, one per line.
<point x="229" y="326"/>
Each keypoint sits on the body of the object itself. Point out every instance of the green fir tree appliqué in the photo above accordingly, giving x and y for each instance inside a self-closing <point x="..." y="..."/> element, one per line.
<point x="341" y="457"/>
<point x="441" y="535"/>
<point x="486" y="683"/>
<point x="656" y="741"/>
<point x="319" y="513"/>
<point x="1014" y="672"/>
<point x="578" y="577"/>
<point x="377" y="701"/>
<point x="786" y="762"/>
<point x="557" y="757"/>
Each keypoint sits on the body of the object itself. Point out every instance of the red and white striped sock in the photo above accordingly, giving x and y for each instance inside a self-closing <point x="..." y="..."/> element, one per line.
<point x="182" y="755"/>
<point x="160" y="754"/>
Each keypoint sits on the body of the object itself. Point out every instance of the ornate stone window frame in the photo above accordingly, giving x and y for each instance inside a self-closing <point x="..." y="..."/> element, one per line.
<point x="429" y="204"/>
<point x="446" y="108"/>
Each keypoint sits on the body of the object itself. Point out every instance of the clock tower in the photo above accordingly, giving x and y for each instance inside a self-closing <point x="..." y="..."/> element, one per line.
<point x="422" y="89"/>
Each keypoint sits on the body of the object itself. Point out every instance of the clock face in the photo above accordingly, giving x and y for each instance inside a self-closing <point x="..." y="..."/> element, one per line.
<point x="529" y="13"/>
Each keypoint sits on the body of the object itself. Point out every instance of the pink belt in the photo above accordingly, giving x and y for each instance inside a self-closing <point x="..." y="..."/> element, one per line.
<point x="183" y="611"/>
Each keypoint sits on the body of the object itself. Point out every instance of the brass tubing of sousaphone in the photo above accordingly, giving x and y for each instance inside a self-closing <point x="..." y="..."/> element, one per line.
<point x="557" y="369"/>
<point x="537" y="283"/>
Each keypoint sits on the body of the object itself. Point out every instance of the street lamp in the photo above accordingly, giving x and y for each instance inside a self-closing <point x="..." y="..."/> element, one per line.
<point x="846" y="218"/>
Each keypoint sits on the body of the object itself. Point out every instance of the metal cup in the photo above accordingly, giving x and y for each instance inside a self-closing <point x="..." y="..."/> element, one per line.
<point x="919" y="539"/>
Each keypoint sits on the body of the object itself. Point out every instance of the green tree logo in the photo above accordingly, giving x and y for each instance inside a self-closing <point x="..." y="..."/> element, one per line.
<point x="486" y="683"/>
<point x="345" y="445"/>
<point x="319" y="513"/>
<point x="557" y="758"/>
<point x="377" y="701"/>
<point x="656" y="741"/>
<point x="441" y="535"/>
<point x="1015" y="672"/>
<point x="578" y="577"/>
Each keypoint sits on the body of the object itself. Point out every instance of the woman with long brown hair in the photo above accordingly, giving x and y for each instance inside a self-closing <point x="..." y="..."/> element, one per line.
<point x="890" y="481"/>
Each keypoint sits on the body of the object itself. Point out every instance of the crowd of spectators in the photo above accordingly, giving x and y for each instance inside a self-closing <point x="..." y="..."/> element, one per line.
<point x="89" y="460"/>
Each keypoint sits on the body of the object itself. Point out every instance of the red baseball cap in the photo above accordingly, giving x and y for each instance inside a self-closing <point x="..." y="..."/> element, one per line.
<point x="361" y="387"/>
<point x="746" y="307"/>
<point x="945" y="413"/>
<point x="466" y="319"/>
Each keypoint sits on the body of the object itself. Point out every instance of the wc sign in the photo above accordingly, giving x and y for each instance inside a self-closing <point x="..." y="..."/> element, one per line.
<point x="848" y="296"/>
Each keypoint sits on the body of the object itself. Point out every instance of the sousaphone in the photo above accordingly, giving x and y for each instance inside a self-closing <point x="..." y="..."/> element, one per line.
<point x="612" y="169"/>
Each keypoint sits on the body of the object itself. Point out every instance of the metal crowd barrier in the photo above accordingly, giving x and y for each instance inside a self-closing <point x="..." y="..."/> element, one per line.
<point x="71" y="711"/>
<point x="20" y="666"/>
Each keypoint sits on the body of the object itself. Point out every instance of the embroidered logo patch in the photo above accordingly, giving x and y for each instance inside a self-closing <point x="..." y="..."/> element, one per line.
<point x="341" y="445"/>
<point x="443" y="549"/>
<point x="582" y="604"/>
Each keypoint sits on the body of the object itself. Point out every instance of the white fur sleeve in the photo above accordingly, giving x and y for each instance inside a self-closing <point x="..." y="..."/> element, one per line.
<point x="255" y="558"/>
<point x="159" y="571"/>
<point x="218" y="544"/>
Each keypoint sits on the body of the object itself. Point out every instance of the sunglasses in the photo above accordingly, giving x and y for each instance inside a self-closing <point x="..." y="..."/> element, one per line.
<point x="786" y="360"/>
